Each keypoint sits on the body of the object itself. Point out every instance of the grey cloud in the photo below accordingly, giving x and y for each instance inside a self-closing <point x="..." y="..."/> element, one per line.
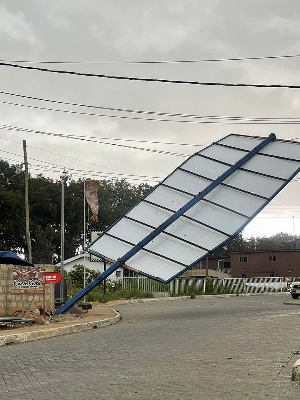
<point x="136" y="30"/>
<point x="15" y="27"/>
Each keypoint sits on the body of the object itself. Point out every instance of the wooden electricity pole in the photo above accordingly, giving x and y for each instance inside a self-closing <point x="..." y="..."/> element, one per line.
<point x="28" y="239"/>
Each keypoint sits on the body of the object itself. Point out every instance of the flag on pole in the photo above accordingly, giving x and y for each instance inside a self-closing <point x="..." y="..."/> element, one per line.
<point x="91" y="189"/>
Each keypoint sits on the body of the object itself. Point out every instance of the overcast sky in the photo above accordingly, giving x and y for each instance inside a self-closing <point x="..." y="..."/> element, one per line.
<point x="136" y="30"/>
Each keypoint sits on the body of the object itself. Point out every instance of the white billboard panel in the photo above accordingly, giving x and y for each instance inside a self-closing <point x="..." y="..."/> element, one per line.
<point x="203" y="204"/>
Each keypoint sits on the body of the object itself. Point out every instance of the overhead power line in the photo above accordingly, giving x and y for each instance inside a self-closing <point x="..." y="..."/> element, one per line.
<point x="158" y="113"/>
<point x="126" y="140"/>
<point x="48" y="166"/>
<point x="118" y="172"/>
<point x="55" y="168"/>
<point x="66" y="156"/>
<point x="226" y="120"/>
<point x="90" y="139"/>
<point x="94" y="139"/>
<point x="136" y="79"/>
<point x="85" y="174"/>
<point x="123" y="174"/>
<point x="82" y="173"/>
<point x="203" y="119"/>
<point x="101" y="115"/>
<point x="154" y="61"/>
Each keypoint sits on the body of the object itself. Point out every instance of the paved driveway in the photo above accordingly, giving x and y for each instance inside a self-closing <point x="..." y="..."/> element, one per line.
<point x="212" y="348"/>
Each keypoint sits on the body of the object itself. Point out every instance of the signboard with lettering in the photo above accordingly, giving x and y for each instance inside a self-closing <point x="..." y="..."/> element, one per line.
<point x="28" y="279"/>
<point x="52" y="277"/>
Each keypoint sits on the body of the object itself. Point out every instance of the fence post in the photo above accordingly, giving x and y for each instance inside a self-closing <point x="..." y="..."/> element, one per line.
<point x="176" y="286"/>
<point x="182" y="285"/>
<point x="171" y="287"/>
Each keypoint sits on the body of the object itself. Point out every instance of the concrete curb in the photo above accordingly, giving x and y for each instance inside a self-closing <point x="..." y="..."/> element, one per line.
<point x="57" y="331"/>
<point x="147" y="300"/>
<point x="203" y="296"/>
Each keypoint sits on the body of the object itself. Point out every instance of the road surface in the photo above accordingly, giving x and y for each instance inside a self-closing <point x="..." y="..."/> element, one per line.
<point x="208" y="348"/>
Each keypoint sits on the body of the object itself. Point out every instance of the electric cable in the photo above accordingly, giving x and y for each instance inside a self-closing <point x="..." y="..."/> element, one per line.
<point x="158" y="80"/>
<point x="154" y="61"/>
<point x="95" y="140"/>
<point x="107" y="174"/>
<point x="90" y="139"/>
<point x="226" y="119"/>
<point x="63" y="155"/>
<point x="80" y="173"/>
<point x="89" y="174"/>
<point x="83" y="173"/>
<point x="149" y="112"/>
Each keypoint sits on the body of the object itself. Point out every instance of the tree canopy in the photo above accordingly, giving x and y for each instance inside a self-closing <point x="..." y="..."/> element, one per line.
<point x="115" y="198"/>
<point x="279" y="241"/>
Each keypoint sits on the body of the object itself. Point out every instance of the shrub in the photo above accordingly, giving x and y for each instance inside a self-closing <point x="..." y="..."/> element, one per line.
<point x="112" y="293"/>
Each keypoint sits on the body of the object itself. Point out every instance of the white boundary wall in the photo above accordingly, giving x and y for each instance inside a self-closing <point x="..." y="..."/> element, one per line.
<point x="230" y="285"/>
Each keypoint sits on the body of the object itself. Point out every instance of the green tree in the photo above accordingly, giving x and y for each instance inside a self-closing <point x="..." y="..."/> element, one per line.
<point x="280" y="241"/>
<point x="12" y="214"/>
<point x="115" y="198"/>
<point x="77" y="275"/>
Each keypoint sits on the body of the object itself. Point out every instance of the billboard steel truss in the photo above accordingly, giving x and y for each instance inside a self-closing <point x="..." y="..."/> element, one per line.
<point x="198" y="208"/>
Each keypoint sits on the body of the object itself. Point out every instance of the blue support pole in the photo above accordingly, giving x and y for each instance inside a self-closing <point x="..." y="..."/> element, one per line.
<point x="89" y="287"/>
<point x="121" y="261"/>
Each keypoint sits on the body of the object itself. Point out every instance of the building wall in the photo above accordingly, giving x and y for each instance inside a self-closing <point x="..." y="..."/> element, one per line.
<point x="213" y="273"/>
<point x="92" y="263"/>
<point x="11" y="302"/>
<point x="211" y="263"/>
<point x="258" y="264"/>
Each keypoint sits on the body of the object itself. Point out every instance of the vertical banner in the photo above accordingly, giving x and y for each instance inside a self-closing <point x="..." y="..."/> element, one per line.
<point x="91" y="189"/>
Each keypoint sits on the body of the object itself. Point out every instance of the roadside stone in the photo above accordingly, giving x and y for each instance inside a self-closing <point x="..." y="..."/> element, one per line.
<point x="296" y="371"/>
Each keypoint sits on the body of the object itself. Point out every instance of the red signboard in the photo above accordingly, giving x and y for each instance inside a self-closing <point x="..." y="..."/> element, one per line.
<point x="52" y="277"/>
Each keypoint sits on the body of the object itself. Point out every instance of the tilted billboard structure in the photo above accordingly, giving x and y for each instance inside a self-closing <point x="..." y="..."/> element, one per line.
<point x="198" y="208"/>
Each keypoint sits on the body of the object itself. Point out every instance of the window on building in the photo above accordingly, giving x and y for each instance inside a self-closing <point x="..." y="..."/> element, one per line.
<point x="272" y="258"/>
<point x="272" y="274"/>
<point x="118" y="274"/>
<point x="244" y="275"/>
<point x="243" y="259"/>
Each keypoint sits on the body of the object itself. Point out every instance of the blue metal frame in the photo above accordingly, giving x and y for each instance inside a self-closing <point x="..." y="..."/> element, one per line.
<point x="238" y="231"/>
<point x="121" y="261"/>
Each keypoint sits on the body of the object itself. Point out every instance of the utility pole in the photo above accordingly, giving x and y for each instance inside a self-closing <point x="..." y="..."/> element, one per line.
<point x="104" y="282"/>
<point x="28" y="239"/>
<point x="84" y="236"/>
<point x="62" y="222"/>
<point x="62" y="233"/>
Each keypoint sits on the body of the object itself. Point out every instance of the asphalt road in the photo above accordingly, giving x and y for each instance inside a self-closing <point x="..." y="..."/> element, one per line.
<point x="212" y="348"/>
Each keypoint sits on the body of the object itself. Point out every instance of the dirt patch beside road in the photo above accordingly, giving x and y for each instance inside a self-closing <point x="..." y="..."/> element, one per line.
<point x="77" y="316"/>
